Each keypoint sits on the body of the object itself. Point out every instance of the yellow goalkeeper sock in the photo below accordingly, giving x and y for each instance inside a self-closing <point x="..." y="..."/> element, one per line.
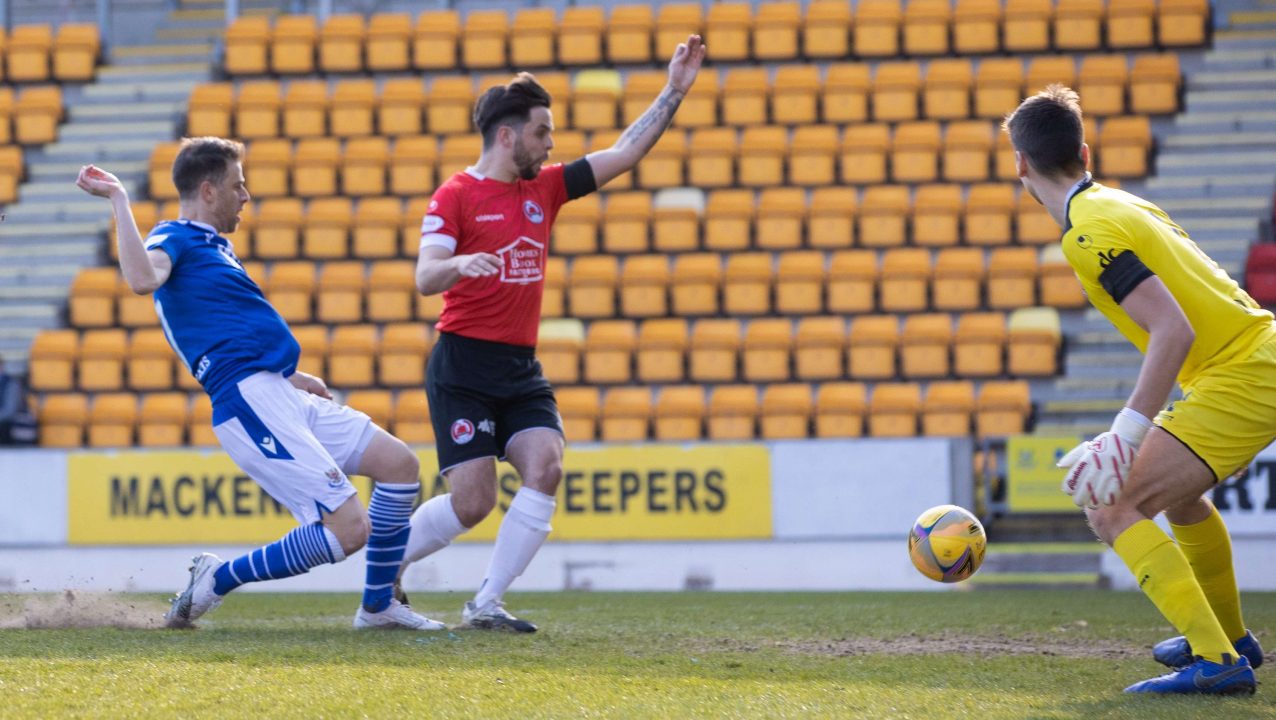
<point x="1165" y="577"/>
<point x="1208" y="550"/>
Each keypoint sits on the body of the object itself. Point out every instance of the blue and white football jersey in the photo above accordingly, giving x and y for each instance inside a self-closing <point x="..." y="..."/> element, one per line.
<point x="213" y="314"/>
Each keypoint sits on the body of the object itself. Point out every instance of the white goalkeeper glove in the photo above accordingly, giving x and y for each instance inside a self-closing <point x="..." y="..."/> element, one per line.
<point x="1097" y="469"/>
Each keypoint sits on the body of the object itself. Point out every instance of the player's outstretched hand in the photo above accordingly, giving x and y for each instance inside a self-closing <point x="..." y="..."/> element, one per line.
<point x="96" y="181"/>
<point x="686" y="63"/>
<point x="1097" y="470"/>
<point x="478" y="265"/>
<point x="310" y="383"/>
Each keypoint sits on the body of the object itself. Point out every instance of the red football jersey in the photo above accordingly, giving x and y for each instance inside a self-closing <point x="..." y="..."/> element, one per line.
<point x="473" y="214"/>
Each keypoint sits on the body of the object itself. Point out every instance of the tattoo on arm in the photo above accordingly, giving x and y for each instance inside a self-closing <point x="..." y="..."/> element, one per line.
<point x="648" y="128"/>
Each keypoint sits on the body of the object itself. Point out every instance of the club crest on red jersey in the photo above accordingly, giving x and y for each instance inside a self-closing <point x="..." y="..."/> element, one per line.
<point x="533" y="211"/>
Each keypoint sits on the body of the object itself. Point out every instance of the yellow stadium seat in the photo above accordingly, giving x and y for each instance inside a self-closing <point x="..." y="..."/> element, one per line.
<point x="1078" y="25"/>
<point x="958" y="279"/>
<point x="10" y="171"/>
<point x="533" y="44"/>
<point x="53" y="357"/>
<point x="292" y="45"/>
<point x="609" y="349"/>
<point x="1045" y="70"/>
<point x="831" y="222"/>
<point x="1102" y="81"/>
<point x="315" y="167"/>
<point x="626" y="415"/>
<point x="762" y="153"/>
<point x="209" y="110"/>
<point x="595" y="98"/>
<point x="591" y="290"/>
<point x="711" y="160"/>
<point x="36" y="115"/>
<point x="675" y="22"/>
<point x="937" y="212"/>
<point x="601" y="140"/>
<point x="1129" y="24"/>
<point x="579" y="408"/>
<point x="699" y="108"/>
<point x="946" y="94"/>
<point x="813" y="154"/>
<point x="112" y="420"/>
<point x="680" y="412"/>
<point x="746" y="285"/>
<point x="733" y="412"/>
<point x="875" y="31"/>
<point x="727" y="31"/>
<point x="267" y="168"/>
<point x="412" y="172"/>
<point x="795" y="95"/>
<point x="28" y="53"/>
<point x="1182" y="23"/>
<point x="201" y="422"/>
<point x="925" y="344"/>
<point x="1002" y="409"/>
<point x="915" y="152"/>
<point x="391" y="285"/>
<point x="411" y="419"/>
<point x="728" y="220"/>
<point x="376" y="404"/>
<point x="852" y="281"/>
<point x="246" y="42"/>
<point x="351" y="360"/>
<point x="580" y="36"/>
<point x="895" y="88"/>
<point x="552" y="303"/>
<point x="989" y="208"/>
<point x="905" y="276"/>
<point x="1126" y="142"/>
<point x="326" y="229"/>
<point x="663" y="165"/>
<point x="1026" y="26"/>
<point x="133" y="310"/>
<point x="779" y="219"/>
<point x="846" y="91"/>
<point x="786" y="411"/>
<point x="305" y="109"/>
<point x="715" y="347"/>
<point x="978" y="344"/>
<point x="629" y="34"/>
<point x="388" y="42"/>
<point x="839" y="410"/>
<point x="626" y="222"/>
<point x="162" y="420"/>
<point x="363" y="165"/>
<point x="775" y="31"/>
<point x="6" y="128"/>
<point x="341" y="44"/>
<point x="449" y="105"/>
<point x="1003" y="161"/>
<point x="695" y="281"/>
<point x="871" y="347"/>
<point x="644" y="286"/>
<point x="893" y="409"/>
<point x="257" y="110"/>
<point x="799" y="287"/>
<point x="458" y="152"/>
<point x="399" y="107"/>
<point x="947" y="410"/>
<point x="1033" y="224"/>
<point x="998" y="87"/>
<point x="863" y="155"/>
<point x="1059" y="285"/>
<point x="62" y="419"/>
<point x="675" y="224"/>
<point x="1154" y="84"/>
<point x="926" y="27"/>
<point x="967" y="148"/>
<point x="558" y="349"/>
<point x="744" y="94"/>
<point x="434" y="40"/>
<point x="483" y="39"/>
<point x="314" y="347"/>
<point x="150" y="361"/>
<point x="818" y="348"/>
<point x="353" y="103"/>
<point x="290" y="289"/>
<point x="768" y="343"/>
<point x="92" y="301"/>
<point x="661" y="350"/>
<point x="883" y="216"/>
<point x="826" y="29"/>
<point x="102" y="356"/>
<point x="1033" y="340"/>
<point x="575" y="229"/>
<point x="1012" y="277"/>
<point x="977" y="27"/>
<point x="340" y="295"/>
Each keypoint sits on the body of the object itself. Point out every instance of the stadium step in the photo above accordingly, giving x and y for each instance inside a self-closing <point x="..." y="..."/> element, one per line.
<point x="143" y="91"/>
<point x="169" y="110"/>
<point x="63" y="190"/>
<point x="154" y="131"/>
<point x="189" y="50"/>
<point x="49" y="171"/>
<point x="1041" y="565"/>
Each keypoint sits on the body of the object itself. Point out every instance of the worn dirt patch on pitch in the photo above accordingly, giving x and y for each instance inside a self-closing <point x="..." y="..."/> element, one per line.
<point x="914" y="644"/>
<point x="79" y="610"/>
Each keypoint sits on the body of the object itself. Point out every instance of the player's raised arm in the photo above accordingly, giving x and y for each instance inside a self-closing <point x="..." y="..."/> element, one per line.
<point x="639" y="137"/>
<point x="143" y="271"/>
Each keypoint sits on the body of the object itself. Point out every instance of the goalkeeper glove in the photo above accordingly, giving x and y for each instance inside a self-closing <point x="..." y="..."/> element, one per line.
<point x="1097" y="469"/>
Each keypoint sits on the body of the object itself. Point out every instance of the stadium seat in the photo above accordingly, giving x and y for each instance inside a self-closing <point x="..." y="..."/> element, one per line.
<point x="52" y="360"/>
<point x="839" y="410"/>
<point x="313" y="340"/>
<point x="875" y="32"/>
<point x="775" y="31"/>
<point x="575" y="230"/>
<point x="92" y="300"/>
<point x="1181" y="23"/>
<point x="799" y="286"/>
<point x="936" y="215"/>
<point x="1102" y="81"/>
<point x="714" y="349"/>
<point x="926" y="27"/>
<point x="267" y="167"/>
<point x="762" y="153"/>
<point x="663" y="165"/>
<point x="162" y="420"/>
<point x="977" y="27"/>
<point x="434" y="40"/>
<point x="795" y="95"/>
<point x="559" y="348"/>
<point x="826" y="29"/>
<point x="389" y="42"/>
<point x="458" y="152"/>
<point x="399" y="106"/>
<point x="629" y="34"/>
<point x="1154" y="84"/>
<point x="768" y="344"/>
<point x="781" y="211"/>
<point x="958" y="279"/>
<point x="883" y="216"/>
<point x="1033" y="339"/>
<point x="818" y="348"/>
<point x="1126" y="142"/>
<point x="595" y="98"/>
<point x="947" y="409"/>
<point x="450" y="102"/>
<point x="580" y="36"/>
<point x="1003" y="161"/>
<point x="391" y="285"/>
<point x="989" y="208"/>
<point x="675" y="21"/>
<point x="924" y="345"/>
<point x="1078" y="25"/>
<point x="831" y="221"/>
<point x="609" y="349"/>
<point x="1045" y="70"/>
<point x="786" y="411"/>
<point x="326" y="228"/>
<point x="1033" y="224"/>
<point x="579" y="408"/>
<point x="591" y="289"/>
<point x="292" y="45"/>
<point x="102" y="355"/>
<point x="915" y="152"/>
<point x="1026" y="26"/>
<point x="946" y="93"/>
<point x="675" y="224"/>
<point x="353" y="105"/>
<point x="695" y="282"/>
<point x="200" y="431"/>
<point x="870" y="353"/>
<point x="626" y="222"/>
<point x="403" y="350"/>
<point x="852" y="281"/>
<point x="150" y="361"/>
<point x="680" y="411"/>
<point x="644" y="286"/>
<point x="1059" y="285"/>
<point x="363" y="165"/>
<point x="978" y="344"/>
<point x="1002" y="409"/>
<point x="62" y="418"/>
<point x="569" y="145"/>
<point x="601" y="140"/>
<point x="661" y="350"/>
<point x="727" y="29"/>
<point x="728" y="220"/>
<point x="845" y="96"/>
<point x="733" y="412"/>
<point x="711" y="161"/>
<point x="892" y="411"/>
<point x="341" y="44"/>
<point x="744" y="92"/>
<point x="6" y="138"/>
<point x="340" y="293"/>
<point x="553" y="303"/>
<point x="351" y="357"/>
<point x="895" y="88"/>
<point x="112" y="420"/>
<point x="209" y="110"/>
<point x="533" y="44"/>
<point x="412" y="173"/>
<point x="376" y="404"/>
<point x="278" y="227"/>
<point x="813" y="155"/>
<point x="699" y="108"/>
<point x="999" y="86"/>
<point x="626" y="415"/>
<point x="28" y="53"/>
<point x="483" y="39"/>
<point x="305" y="109"/>
<point x="36" y="115"/>
<point x="746" y="284"/>
<point x="257" y="110"/>
<point x="1012" y="278"/>
<point x="1129" y="24"/>
<point x="411" y="419"/>
<point x="863" y="155"/>
<point x="290" y="289"/>
<point x="246" y="41"/>
<point x="133" y="310"/>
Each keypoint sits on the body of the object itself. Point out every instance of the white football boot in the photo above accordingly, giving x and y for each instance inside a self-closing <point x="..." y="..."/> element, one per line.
<point x="198" y="598"/>
<point x="396" y="616"/>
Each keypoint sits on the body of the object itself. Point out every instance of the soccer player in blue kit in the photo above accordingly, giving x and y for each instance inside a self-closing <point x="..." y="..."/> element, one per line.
<point x="279" y="425"/>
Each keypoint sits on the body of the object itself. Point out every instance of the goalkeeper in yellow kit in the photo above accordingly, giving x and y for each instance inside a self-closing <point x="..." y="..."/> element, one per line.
<point x="1195" y="325"/>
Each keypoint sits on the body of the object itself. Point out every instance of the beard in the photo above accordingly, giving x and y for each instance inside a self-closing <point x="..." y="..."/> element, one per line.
<point x="528" y="168"/>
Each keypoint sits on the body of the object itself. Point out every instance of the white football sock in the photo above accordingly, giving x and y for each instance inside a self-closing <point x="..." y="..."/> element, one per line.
<point x="522" y="533"/>
<point x="434" y="526"/>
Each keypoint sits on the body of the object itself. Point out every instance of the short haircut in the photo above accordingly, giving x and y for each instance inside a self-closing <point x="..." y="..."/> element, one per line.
<point x="1047" y="129"/>
<point x="509" y="104"/>
<point x="203" y="158"/>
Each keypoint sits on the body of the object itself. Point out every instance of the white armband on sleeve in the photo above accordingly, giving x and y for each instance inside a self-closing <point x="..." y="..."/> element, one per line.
<point x="438" y="240"/>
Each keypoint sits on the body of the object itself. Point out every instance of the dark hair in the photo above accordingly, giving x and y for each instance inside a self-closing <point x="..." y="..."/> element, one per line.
<point x="203" y="158"/>
<point x="510" y="102"/>
<point x="1047" y="129"/>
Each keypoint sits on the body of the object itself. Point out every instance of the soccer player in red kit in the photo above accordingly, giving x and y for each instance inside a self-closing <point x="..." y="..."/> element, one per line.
<point x="483" y="245"/>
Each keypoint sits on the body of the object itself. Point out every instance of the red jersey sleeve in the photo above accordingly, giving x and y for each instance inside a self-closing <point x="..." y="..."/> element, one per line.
<point x="441" y="225"/>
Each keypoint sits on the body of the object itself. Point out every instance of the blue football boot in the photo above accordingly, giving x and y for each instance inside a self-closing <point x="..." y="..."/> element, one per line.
<point x="1177" y="652"/>
<point x="1203" y="677"/>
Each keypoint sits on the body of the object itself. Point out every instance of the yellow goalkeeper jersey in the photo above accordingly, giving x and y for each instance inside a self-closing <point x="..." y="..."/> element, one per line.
<point x="1114" y="240"/>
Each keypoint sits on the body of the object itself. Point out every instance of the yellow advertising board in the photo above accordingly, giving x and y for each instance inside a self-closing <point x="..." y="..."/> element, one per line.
<point x="647" y="492"/>
<point x="1033" y="482"/>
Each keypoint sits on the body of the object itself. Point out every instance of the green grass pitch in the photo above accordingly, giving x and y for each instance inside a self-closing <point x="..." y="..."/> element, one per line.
<point x="982" y="654"/>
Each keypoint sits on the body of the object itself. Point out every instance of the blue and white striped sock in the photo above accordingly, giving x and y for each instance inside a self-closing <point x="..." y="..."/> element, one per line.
<point x="293" y="554"/>
<point x="390" y="511"/>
